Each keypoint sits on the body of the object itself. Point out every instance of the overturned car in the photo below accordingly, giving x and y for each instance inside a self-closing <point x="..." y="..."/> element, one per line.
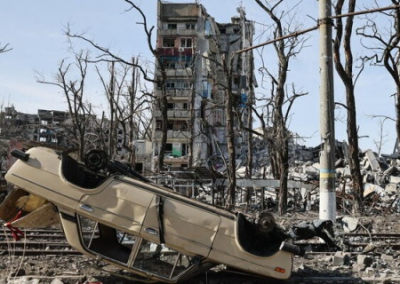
<point x="110" y="212"/>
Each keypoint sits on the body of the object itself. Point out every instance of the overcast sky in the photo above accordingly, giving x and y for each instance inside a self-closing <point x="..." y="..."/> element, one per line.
<point x="35" y="32"/>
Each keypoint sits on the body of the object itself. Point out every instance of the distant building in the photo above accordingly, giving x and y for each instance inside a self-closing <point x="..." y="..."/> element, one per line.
<point x="192" y="47"/>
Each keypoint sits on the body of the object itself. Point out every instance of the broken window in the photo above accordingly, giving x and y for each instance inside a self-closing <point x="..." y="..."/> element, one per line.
<point x="190" y="26"/>
<point x="171" y="26"/>
<point x="168" y="61"/>
<point x="132" y="251"/>
<point x="170" y="125"/>
<point x="106" y="241"/>
<point x="158" y="125"/>
<point x="186" y="42"/>
<point x="168" y="42"/>
<point x="177" y="125"/>
<point x="170" y="84"/>
<point x="184" y="149"/>
<point x="161" y="260"/>
<point x="177" y="84"/>
<point x="182" y="84"/>
<point x="181" y="125"/>
<point x="139" y="167"/>
<point x="168" y="149"/>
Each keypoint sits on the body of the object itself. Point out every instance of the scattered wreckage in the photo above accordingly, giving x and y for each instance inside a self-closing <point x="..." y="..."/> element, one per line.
<point x="110" y="212"/>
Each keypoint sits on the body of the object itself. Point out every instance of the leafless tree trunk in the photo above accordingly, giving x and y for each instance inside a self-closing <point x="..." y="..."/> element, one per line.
<point x="249" y="126"/>
<point x="346" y="74"/>
<point x="228" y="69"/>
<point x="278" y="134"/>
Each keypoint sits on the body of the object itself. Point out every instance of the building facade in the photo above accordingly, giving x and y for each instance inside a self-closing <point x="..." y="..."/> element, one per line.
<point x="202" y="69"/>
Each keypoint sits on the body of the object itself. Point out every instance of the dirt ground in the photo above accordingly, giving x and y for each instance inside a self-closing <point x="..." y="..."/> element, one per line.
<point x="383" y="265"/>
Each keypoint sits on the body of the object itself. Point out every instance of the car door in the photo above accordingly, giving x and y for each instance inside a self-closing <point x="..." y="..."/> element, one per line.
<point x="120" y="205"/>
<point x="181" y="223"/>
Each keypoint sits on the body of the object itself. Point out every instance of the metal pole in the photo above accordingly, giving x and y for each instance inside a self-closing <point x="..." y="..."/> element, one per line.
<point x="327" y="205"/>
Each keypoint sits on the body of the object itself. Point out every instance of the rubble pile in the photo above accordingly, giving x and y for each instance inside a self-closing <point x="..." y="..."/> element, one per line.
<point x="381" y="177"/>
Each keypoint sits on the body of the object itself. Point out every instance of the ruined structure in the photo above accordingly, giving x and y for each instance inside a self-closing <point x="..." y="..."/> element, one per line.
<point x="202" y="69"/>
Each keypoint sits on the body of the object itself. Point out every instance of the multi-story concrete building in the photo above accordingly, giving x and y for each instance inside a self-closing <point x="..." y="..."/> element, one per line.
<point x="200" y="61"/>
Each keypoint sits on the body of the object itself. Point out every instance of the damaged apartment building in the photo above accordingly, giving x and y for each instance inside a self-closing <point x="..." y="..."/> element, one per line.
<point x="202" y="68"/>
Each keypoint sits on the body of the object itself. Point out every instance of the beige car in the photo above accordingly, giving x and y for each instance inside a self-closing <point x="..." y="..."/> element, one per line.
<point x="111" y="213"/>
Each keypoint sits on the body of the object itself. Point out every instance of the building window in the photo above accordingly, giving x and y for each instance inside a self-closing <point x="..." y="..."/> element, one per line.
<point x="168" y="61"/>
<point x="158" y="125"/>
<point x="185" y="149"/>
<point x="170" y="125"/>
<point x="186" y="42"/>
<point x="182" y="84"/>
<point x="168" y="149"/>
<point x="170" y="84"/>
<point x="170" y="106"/>
<point x="180" y="125"/>
<point x="185" y="105"/>
<point x="168" y="42"/>
<point x="190" y="26"/>
<point x="171" y="26"/>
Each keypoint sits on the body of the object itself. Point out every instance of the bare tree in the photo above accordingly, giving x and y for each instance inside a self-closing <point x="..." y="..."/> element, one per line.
<point x="278" y="134"/>
<point x="384" y="42"/>
<point x="5" y="48"/>
<point x="160" y="78"/>
<point x="74" y="90"/>
<point x="127" y="107"/>
<point x="382" y="135"/>
<point x="346" y="74"/>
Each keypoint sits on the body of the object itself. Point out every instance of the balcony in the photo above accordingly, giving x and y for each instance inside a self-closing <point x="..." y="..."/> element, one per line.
<point x="173" y="113"/>
<point x="180" y="72"/>
<point x="171" y="134"/>
<point x="180" y="32"/>
<point x="175" y="51"/>
<point x="175" y="93"/>
<point x="173" y="160"/>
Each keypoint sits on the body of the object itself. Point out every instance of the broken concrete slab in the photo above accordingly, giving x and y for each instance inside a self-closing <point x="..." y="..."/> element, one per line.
<point x="341" y="258"/>
<point x="350" y="224"/>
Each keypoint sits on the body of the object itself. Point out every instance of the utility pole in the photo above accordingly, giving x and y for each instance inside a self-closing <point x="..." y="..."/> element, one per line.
<point x="327" y="205"/>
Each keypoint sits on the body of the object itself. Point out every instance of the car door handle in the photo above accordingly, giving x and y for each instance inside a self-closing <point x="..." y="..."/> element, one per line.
<point x="151" y="231"/>
<point x="86" y="207"/>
